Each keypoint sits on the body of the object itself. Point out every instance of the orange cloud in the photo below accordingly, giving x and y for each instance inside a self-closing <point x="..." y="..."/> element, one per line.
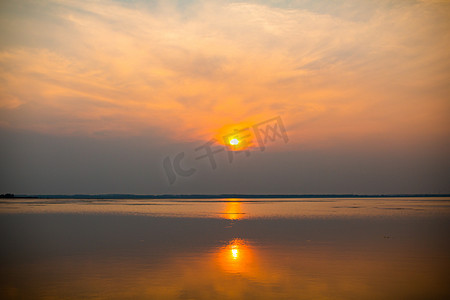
<point x="127" y="69"/>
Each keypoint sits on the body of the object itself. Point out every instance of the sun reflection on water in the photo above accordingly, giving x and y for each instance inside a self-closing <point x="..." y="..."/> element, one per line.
<point x="233" y="209"/>
<point x="235" y="253"/>
<point x="236" y="257"/>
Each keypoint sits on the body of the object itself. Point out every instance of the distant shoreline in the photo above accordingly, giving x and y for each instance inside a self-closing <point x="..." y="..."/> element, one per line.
<point x="214" y="196"/>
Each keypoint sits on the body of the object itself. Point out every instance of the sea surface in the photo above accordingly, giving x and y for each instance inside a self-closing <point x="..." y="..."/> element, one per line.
<point x="303" y="248"/>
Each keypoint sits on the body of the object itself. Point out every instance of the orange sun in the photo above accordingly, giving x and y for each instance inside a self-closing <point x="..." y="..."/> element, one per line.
<point x="234" y="141"/>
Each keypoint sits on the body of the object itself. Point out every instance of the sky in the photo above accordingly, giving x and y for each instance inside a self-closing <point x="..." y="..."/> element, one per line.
<point x="128" y="96"/>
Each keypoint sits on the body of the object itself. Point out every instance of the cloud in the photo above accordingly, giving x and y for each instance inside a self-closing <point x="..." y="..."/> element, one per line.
<point x="336" y="72"/>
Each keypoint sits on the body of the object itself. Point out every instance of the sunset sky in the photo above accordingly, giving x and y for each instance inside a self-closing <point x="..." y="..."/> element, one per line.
<point x="94" y="95"/>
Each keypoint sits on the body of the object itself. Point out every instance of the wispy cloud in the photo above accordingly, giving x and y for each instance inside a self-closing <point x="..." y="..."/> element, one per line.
<point x="332" y="72"/>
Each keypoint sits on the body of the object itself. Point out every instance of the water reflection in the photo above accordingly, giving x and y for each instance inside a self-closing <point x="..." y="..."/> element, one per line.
<point x="107" y="256"/>
<point x="236" y="257"/>
<point x="233" y="209"/>
<point x="236" y="209"/>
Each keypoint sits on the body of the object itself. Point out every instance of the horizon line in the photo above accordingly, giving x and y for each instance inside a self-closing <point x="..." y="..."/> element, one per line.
<point x="215" y="196"/>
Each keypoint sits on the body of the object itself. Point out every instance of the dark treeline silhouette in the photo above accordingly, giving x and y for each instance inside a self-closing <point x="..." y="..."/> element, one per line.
<point x="7" y="196"/>
<point x="218" y="196"/>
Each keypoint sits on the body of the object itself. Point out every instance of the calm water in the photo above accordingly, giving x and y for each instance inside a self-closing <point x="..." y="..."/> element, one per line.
<point x="384" y="248"/>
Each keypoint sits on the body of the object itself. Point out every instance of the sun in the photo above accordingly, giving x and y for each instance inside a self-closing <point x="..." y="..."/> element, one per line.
<point x="234" y="142"/>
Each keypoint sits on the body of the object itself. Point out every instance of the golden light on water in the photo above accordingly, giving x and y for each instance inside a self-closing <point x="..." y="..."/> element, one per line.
<point x="233" y="210"/>
<point x="235" y="252"/>
<point x="243" y="264"/>
<point x="236" y="257"/>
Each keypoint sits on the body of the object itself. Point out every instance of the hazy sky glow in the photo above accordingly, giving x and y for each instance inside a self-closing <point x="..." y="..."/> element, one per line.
<point x="361" y="86"/>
